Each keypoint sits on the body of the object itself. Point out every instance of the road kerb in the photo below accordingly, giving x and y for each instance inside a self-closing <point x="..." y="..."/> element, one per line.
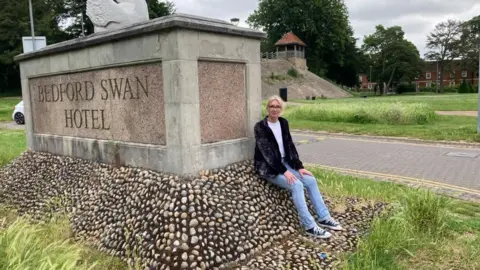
<point x="422" y="182"/>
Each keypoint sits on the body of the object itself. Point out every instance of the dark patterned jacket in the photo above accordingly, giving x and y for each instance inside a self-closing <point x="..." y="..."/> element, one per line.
<point x="268" y="159"/>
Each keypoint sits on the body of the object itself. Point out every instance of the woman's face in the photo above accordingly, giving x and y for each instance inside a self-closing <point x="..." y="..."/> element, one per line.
<point x="274" y="109"/>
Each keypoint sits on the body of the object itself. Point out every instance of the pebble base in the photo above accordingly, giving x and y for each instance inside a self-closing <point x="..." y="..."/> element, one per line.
<point x="227" y="218"/>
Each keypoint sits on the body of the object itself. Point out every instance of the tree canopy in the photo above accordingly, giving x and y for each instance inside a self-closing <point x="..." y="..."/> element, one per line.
<point x="393" y="58"/>
<point x="14" y="24"/>
<point x="50" y="18"/>
<point x="470" y="42"/>
<point x="322" y="24"/>
<point x="444" y="45"/>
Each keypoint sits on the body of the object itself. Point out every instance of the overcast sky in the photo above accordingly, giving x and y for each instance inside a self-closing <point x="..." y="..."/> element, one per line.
<point x="416" y="17"/>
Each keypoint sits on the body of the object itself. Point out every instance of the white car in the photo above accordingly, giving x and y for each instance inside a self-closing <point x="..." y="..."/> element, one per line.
<point x="18" y="115"/>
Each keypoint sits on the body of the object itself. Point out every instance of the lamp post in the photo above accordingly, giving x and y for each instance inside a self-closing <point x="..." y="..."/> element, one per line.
<point x="438" y="76"/>
<point x="31" y="24"/>
<point x="370" y="78"/>
<point x="83" y="27"/>
<point x="478" y="82"/>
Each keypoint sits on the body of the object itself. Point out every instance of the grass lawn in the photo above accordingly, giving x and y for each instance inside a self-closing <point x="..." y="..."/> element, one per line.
<point x="6" y="108"/>
<point x="27" y="245"/>
<point x="12" y="143"/>
<point x="398" y="116"/>
<point x="450" y="102"/>
<point x="449" y="128"/>
<point x="424" y="231"/>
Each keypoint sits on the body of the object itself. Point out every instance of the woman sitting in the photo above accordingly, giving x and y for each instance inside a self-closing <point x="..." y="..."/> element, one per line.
<point x="277" y="160"/>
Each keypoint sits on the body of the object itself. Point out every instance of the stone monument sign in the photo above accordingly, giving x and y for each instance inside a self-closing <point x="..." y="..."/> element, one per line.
<point x="177" y="94"/>
<point x="110" y="104"/>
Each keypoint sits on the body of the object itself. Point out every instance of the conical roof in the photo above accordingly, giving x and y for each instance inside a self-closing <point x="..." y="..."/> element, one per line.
<point x="290" y="39"/>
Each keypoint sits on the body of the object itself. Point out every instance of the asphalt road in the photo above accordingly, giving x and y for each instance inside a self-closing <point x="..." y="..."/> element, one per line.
<point x="447" y="165"/>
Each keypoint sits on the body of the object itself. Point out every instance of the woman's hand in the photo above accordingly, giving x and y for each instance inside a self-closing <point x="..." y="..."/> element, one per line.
<point x="304" y="172"/>
<point x="290" y="177"/>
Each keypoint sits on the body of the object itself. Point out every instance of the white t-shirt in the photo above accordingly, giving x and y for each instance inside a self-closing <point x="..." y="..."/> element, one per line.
<point x="277" y="131"/>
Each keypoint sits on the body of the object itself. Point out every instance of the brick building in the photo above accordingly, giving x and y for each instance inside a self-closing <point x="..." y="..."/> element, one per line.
<point x="364" y="83"/>
<point x="453" y="75"/>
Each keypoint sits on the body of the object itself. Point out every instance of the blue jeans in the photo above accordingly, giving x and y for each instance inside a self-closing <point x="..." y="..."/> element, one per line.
<point x="298" y="196"/>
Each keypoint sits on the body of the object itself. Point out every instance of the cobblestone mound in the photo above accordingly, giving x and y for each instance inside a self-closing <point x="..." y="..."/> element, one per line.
<point x="226" y="218"/>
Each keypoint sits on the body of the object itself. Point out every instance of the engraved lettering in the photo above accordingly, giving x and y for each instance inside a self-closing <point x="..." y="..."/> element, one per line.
<point x="84" y="96"/>
<point x="103" y="121"/>
<point x="77" y="118"/>
<point x="95" y="120"/>
<point x="105" y="91"/>
<point x="78" y="90"/>
<point x="86" y="117"/>
<point x="41" y="96"/>
<point x="55" y="93"/>
<point x="144" y="87"/>
<point x="68" y="119"/>
<point x="128" y="89"/>
<point x="70" y="92"/>
<point x="118" y="89"/>
<point x="62" y="91"/>
<point x="47" y="94"/>
<point x="92" y="90"/>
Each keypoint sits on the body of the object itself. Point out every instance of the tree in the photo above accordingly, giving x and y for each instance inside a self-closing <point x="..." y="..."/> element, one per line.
<point x="14" y="24"/>
<point x="393" y="58"/>
<point x="58" y="20"/>
<point x="444" y="45"/>
<point x="73" y="13"/>
<point x="353" y="63"/>
<point x="470" y="42"/>
<point x="322" y="24"/>
<point x="159" y="9"/>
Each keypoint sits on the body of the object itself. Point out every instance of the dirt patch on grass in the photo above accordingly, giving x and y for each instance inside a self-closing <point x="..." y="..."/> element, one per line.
<point x="458" y="113"/>
<point x="7" y="216"/>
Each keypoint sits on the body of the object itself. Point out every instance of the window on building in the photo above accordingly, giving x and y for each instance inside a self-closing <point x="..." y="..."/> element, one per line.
<point x="452" y="75"/>
<point x="360" y="78"/>
<point x="452" y="83"/>
<point x="464" y="73"/>
<point x="428" y="75"/>
<point x="428" y="84"/>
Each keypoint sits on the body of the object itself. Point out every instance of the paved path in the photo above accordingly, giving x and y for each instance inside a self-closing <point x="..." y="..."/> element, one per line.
<point x="444" y="166"/>
<point x="11" y="125"/>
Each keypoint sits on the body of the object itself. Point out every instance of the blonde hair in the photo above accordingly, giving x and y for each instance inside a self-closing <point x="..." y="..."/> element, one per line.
<point x="279" y="99"/>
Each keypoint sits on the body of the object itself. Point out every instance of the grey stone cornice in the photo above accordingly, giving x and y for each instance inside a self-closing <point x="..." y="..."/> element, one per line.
<point x="182" y="21"/>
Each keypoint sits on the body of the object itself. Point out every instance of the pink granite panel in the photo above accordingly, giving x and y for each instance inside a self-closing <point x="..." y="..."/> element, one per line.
<point x="120" y="104"/>
<point x="222" y="101"/>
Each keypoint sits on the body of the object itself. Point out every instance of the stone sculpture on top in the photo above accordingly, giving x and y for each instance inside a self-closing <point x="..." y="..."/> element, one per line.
<point x="114" y="14"/>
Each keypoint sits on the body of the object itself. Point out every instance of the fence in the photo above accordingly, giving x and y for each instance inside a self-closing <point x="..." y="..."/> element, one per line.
<point x="281" y="55"/>
<point x="268" y="55"/>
